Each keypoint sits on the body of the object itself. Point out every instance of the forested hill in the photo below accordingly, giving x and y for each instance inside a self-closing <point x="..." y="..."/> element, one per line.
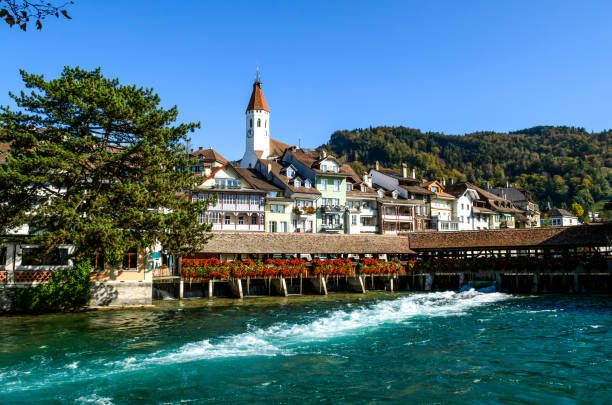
<point x="559" y="165"/>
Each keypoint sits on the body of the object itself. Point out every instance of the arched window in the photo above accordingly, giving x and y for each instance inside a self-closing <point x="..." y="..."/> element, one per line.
<point x="251" y="123"/>
<point x="266" y="124"/>
<point x="258" y="122"/>
<point x="307" y="183"/>
<point x="297" y="183"/>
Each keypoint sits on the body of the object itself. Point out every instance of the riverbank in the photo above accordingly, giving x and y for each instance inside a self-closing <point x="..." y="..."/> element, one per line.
<point x="373" y="347"/>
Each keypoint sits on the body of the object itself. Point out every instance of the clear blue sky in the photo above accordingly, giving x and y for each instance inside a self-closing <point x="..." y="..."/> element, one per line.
<point x="449" y="66"/>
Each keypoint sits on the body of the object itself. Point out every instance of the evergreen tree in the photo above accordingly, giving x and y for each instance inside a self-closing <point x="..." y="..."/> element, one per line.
<point x="97" y="164"/>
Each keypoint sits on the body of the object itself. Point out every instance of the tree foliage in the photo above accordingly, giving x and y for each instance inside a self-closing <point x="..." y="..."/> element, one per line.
<point x="68" y="289"/>
<point x="555" y="164"/>
<point x="20" y="12"/>
<point x="94" y="163"/>
<point x="577" y="210"/>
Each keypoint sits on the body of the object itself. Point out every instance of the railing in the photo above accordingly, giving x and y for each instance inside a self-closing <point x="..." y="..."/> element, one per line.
<point x="304" y="211"/>
<point x="394" y="217"/>
<point x="231" y="207"/>
<point x="238" y="227"/>
<point x="332" y="208"/>
<point x="332" y="227"/>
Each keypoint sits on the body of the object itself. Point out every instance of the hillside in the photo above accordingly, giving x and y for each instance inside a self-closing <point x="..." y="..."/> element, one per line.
<point x="559" y="165"/>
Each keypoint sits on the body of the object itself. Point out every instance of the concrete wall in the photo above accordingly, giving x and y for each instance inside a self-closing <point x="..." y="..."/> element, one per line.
<point x="118" y="293"/>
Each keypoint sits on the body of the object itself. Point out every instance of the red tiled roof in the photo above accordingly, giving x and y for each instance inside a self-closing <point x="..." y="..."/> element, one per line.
<point x="208" y="155"/>
<point x="277" y="148"/>
<point x="598" y="234"/>
<point x="276" y="172"/>
<point x="312" y="158"/>
<point x="257" y="101"/>
<point x="290" y="243"/>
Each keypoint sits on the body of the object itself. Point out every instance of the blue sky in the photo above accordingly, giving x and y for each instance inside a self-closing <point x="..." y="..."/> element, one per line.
<point x="449" y="66"/>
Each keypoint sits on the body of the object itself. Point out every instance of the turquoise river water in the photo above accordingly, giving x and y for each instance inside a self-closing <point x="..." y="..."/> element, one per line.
<point x="402" y="348"/>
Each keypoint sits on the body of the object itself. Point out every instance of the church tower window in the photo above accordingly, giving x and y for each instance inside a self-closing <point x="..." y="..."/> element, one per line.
<point x="258" y="122"/>
<point x="251" y="126"/>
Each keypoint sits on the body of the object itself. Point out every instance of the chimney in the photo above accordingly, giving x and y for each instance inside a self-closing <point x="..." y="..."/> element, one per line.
<point x="269" y="168"/>
<point x="413" y="173"/>
<point x="404" y="170"/>
<point x="367" y="179"/>
<point x="199" y="147"/>
<point x="377" y="165"/>
<point x="323" y="154"/>
<point x="452" y="181"/>
<point x="192" y="149"/>
<point x="444" y="181"/>
<point x="488" y="187"/>
<point x="507" y="185"/>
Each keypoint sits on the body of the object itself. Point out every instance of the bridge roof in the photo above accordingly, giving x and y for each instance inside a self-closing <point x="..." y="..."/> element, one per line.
<point x="306" y="243"/>
<point x="591" y="235"/>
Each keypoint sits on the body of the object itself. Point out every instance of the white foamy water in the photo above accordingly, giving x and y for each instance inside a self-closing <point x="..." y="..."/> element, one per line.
<point x="282" y="338"/>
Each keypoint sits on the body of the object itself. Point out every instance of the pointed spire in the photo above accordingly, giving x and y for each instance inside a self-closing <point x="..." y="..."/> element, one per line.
<point x="257" y="101"/>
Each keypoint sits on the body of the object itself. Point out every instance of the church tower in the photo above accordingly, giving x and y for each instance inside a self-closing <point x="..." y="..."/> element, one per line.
<point x="257" y="127"/>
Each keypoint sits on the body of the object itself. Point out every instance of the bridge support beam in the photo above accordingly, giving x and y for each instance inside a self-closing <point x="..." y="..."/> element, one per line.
<point x="429" y="278"/>
<point x="535" y="284"/>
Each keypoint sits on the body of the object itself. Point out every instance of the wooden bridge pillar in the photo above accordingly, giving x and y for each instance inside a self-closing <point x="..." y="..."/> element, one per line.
<point x="498" y="281"/>
<point x="429" y="278"/>
<point x="576" y="284"/>
<point x="535" y="285"/>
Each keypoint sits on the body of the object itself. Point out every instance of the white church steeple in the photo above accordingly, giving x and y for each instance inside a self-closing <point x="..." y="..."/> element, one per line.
<point x="257" y="127"/>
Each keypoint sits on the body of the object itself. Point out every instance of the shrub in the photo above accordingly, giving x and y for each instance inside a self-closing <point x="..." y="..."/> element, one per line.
<point x="68" y="290"/>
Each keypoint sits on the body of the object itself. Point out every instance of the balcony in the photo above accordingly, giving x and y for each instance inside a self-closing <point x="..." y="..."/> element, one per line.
<point x="238" y="227"/>
<point x="332" y="208"/>
<point x="304" y="211"/>
<point x="332" y="227"/>
<point x="236" y="207"/>
<point x="396" y="218"/>
<point x="368" y="229"/>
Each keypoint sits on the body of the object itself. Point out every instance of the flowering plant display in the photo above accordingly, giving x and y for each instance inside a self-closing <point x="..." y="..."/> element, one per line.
<point x="204" y="268"/>
<point x="516" y="263"/>
<point x="214" y="268"/>
<point x="288" y="267"/>
<point x="333" y="267"/>
<point x="310" y="210"/>
<point x="375" y="266"/>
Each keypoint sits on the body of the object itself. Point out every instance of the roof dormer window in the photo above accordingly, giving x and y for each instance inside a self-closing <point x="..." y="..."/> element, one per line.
<point x="434" y="189"/>
<point x="307" y="183"/>
<point x="349" y="186"/>
<point x="290" y="172"/>
<point x="381" y="194"/>
<point x="363" y="188"/>
<point x="297" y="183"/>
<point x="323" y="168"/>
<point x="394" y="194"/>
